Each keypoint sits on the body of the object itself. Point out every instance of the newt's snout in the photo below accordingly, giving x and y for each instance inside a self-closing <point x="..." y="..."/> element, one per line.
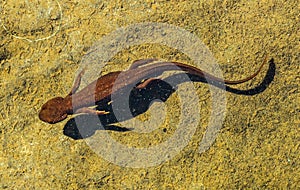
<point x="53" y="111"/>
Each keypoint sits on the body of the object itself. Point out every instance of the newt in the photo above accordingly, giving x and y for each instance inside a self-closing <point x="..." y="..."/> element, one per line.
<point x="58" y="108"/>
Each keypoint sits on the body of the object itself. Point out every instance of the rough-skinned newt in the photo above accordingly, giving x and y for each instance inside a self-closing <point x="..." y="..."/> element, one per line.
<point x="58" y="108"/>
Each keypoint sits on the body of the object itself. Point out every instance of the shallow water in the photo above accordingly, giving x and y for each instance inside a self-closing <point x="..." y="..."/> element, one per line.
<point x="41" y="49"/>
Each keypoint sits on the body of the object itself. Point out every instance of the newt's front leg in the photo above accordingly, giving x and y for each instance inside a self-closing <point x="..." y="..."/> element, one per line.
<point x="77" y="83"/>
<point x="90" y="111"/>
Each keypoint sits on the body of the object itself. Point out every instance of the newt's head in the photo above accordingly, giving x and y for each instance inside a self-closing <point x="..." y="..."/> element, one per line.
<point x="53" y="111"/>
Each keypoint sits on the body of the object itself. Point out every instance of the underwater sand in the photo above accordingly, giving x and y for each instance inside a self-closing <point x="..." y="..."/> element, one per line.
<point x="41" y="48"/>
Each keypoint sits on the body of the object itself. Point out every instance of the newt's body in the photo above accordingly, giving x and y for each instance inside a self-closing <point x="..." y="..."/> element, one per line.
<point x="57" y="109"/>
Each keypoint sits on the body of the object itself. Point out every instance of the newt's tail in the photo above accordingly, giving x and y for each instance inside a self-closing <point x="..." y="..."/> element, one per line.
<point x="250" y="77"/>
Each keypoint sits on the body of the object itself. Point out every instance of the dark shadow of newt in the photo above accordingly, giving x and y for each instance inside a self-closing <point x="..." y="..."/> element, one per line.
<point x="141" y="99"/>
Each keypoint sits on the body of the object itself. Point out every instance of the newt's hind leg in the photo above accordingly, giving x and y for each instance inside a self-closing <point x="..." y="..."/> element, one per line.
<point x="141" y="62"/>
<point x="77" y="82"/>
<point x="145" y="83"/>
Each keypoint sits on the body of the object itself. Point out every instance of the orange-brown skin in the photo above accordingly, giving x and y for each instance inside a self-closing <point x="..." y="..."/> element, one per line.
<point x="57" y="109"/>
